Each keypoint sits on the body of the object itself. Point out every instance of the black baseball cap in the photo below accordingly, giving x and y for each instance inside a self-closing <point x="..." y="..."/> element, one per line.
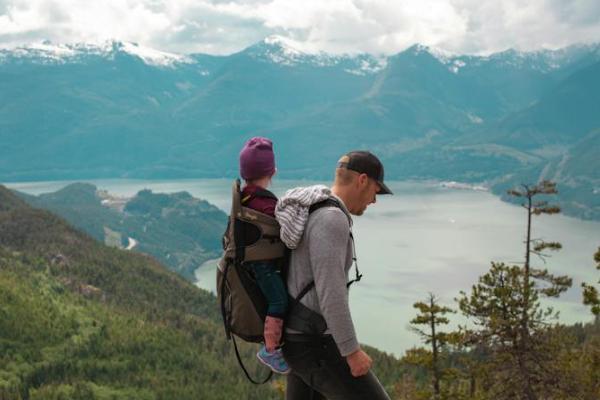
<point x="365" y="162"/>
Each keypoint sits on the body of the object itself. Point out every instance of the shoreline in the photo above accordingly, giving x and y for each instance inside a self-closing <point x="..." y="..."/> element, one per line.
<point x="117" y="198"/>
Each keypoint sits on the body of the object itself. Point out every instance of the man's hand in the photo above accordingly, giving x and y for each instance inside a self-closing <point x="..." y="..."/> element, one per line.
<point x="359" y="363"/>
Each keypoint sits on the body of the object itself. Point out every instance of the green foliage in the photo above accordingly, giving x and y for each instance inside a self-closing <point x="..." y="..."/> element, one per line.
<point x="79" y="320"/>
<point x="104" y="323"/>
<point x="496" y="303"/>
<point x="591" y="297"/>
<point x="73" y="348"/>
<point x="387" y="367"/>
<point x="407" y="388"/>
<point x="431" y="314"/>
<point x="514" y="348"/>
<point x="178" y="229"/>
<point x="509" y="320"/>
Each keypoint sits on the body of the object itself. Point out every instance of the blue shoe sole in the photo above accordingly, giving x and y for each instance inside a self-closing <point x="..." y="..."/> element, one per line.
<point x="287" y="371"/>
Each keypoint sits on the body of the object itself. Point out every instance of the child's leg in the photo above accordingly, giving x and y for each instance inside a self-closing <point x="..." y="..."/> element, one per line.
<point x="273" y="288"/>
<point x="272" y="333"/>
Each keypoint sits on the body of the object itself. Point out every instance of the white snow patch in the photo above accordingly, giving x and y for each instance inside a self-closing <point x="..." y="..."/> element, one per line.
<point x="289" y="46"/>
<point x="45" y="52"/>
<point x="154" y="57"/>
<point x="444" y="56"/>
<point x="61" y="53"/>
<point x="370" y="66"/>
<point x="53" y="50"/>
<point x="285" y="51"/>
<point x="457" y="65"/>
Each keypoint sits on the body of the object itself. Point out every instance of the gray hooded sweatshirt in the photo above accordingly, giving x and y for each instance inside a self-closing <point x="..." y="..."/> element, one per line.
<point x="323" y="253"/>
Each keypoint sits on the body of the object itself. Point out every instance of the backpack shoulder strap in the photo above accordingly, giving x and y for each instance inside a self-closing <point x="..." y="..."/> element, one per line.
<point x="301" y="317"/>
<point x="265" y="193"/>
<point x="329" y="202"/>
<point x="258" y="193"/>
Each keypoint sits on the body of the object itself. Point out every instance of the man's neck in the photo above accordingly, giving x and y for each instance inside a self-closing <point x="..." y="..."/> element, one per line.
<point x="341" y="194"/>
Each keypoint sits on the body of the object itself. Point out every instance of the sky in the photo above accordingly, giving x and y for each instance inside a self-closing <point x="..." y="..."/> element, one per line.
<point x="335" y="26"/>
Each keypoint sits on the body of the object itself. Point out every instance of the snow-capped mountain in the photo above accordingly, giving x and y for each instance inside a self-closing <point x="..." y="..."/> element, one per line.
<point x="115" y="109"/>
<point x="49" y="53"/>
<point x="286" y="52"/>
<point x="453" y="61"/>
<point x="544" y="61"/>
<point x="273" y="49"/>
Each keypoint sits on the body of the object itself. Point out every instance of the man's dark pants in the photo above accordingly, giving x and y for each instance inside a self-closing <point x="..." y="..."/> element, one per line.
<point x="317" y="364"/>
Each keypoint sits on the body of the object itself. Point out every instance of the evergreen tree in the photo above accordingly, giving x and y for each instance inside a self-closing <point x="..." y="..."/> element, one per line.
<point x="406" y="389"/>
<point x="590" y="293"/>
<point x="509" y="319"/>
<point x="432" y="315"/>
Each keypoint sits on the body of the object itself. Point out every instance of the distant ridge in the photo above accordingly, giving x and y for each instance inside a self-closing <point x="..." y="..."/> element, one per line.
<point x="50" y="53"/>
<point x="128" y="112"/>
<point x="279" y="49"/>
<point x="180" y="231"/>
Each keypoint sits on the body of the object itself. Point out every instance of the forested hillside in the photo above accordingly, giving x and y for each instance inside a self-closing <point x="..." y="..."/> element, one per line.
<point x="80" y="320"/>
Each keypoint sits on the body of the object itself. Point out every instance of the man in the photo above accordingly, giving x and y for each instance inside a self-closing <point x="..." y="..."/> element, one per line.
<point x="324" y="355"/>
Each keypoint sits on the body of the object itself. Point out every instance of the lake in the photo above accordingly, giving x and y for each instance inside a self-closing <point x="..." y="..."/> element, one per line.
<point x="425" y="238"/>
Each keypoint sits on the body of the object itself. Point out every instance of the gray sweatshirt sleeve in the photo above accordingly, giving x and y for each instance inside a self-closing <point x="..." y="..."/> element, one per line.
<point x="328" y="255"/>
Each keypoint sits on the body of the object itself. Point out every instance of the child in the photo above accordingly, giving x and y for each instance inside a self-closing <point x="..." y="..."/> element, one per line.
<point x="257" y="167"/>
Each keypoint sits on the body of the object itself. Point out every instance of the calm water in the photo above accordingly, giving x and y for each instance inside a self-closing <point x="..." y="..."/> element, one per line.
<point x="424" y="239"/>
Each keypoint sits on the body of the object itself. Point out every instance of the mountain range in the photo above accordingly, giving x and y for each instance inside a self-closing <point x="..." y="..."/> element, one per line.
<point x="118" y="109"/>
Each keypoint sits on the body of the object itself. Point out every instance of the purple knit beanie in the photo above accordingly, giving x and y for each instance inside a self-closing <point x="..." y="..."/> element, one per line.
<point x="257" y="159"/>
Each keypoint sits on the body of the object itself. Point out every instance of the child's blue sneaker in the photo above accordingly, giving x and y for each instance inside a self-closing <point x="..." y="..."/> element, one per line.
<point x="273" y="360"/>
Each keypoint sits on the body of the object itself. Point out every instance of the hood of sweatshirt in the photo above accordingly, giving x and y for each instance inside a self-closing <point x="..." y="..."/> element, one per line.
<point x="292" y="211"/>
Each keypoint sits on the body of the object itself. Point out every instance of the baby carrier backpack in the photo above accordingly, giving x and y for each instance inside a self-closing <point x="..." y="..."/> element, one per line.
<point x="254" y="236"/>
<point x="250" y="236"/>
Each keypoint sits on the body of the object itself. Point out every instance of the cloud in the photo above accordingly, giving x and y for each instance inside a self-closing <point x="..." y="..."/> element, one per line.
<point x="71" y="21"/>
<point x="525" y="25"/>
<point x="376" y="26"/>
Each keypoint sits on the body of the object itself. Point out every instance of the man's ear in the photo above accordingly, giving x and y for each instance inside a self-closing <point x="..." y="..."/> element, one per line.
<point x="363" y="179"/>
